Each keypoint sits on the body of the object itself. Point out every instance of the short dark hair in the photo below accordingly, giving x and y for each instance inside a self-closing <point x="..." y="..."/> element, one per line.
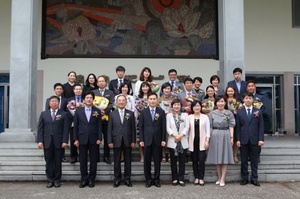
<point x="175" y="101"/>
<point x="72" y="72"/>
<point x="77" y="85"/>
<point x="87" y="79"/>
<point x="249" y="82"/>
<point x="54" y="97"/>
<point x="165" y="85"/>
<point x="123" y="85"/>
<point x="150" y="94"/>
<point x="120" y="68"/>
<point x="197" y="78"/>
<point x="218" y="98"/>
<point x="249" y="94"/>
<point x="172" y="71"/>
<point x="213" y="78"/>
<point x="237" y="70"/>
<point x="194" y="103"/>
<point x="89" y="93"/>
<point x="188" y="79"/>
<point x="142" y="74"/>
<point x="58" y="84"/>
<point x="121" y="95"/>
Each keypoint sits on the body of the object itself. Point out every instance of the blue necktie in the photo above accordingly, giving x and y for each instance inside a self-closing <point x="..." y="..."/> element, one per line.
<point x="248" y="114"/>
<point x="152" y="114"/>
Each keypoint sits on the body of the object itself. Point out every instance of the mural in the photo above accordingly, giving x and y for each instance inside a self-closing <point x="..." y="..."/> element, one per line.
<point x="130" y="28"/>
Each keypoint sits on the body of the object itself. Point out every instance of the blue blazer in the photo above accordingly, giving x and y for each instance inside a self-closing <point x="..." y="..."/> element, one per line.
<point x="59" y="128"/>
<point x="87" y="132"/>
<point x="152" y="131"/>
<point x="249" y="130"/>
<point x="242" y="90"/>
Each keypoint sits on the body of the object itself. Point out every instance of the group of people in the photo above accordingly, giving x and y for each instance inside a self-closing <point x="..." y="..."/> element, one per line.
<point x="211" y="124"/>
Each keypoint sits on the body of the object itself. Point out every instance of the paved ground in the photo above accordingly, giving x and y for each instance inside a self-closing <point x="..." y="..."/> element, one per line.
<point x="32" y="190"/>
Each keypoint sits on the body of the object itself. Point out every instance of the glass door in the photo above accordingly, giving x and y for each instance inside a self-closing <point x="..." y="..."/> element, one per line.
<point x="269" y="115"/>
<point x="3" y="106"/>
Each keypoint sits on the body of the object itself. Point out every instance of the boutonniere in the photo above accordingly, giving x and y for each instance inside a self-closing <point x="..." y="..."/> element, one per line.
<point x="256" y="114"/>
<point x="181" y="119"/>
<point x="156" y="116"/>
<point x="95" y="114"/>
<point x="127" y="116"/>
<point x="226" y="118"/>
<point x="57" y="117"/>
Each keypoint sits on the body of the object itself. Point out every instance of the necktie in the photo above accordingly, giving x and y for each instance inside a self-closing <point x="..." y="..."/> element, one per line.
<point x="189" y="94"/>
<point x="102" y="92"/>
<point x="122" y="116"/>
<point x="120" y="82"/>
<point x="53" y="115"/>
<point x="248" y="113"/>
<point x="172" y="85"/>
<point x="77" y="99"/>
<point x="152" y="114"/>
<point x="88" y="114"/>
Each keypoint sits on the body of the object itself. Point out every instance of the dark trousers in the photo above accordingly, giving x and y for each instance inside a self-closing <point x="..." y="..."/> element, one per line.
<point x="117" y="162"/>
<point x="154" y="152"/>
<point x="53" y="158"/>
<point x="181" y="160"/>
<point x="105" y="147"/>
<point x="93" y="151"/>
<point x="73" y="148"/>
<point x="198" y="158"/>
<point x="251" y="151"/>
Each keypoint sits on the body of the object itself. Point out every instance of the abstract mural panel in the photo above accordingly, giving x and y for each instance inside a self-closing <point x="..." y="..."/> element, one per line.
<point x="130" y="28"/>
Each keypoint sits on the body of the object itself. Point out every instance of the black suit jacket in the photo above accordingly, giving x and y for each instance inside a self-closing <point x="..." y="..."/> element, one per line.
<point x="87" y="132"/>
<point x="152" y="131"/>
<point x="116" y="131"/>
<point x="113" y="86"/>
<point x="252" y="130"/>
<point x="59" y="128"/>
<point x="242" y="90"/>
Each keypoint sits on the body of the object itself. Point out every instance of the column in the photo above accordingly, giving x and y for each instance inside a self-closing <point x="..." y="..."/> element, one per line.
<point x="23" y="69"/>
<point x="288" y="108"/>
<point x="231" y="38"/>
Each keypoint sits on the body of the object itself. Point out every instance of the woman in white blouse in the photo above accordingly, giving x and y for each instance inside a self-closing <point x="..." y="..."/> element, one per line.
<point x="145" y="76"/>
<point x="177" y="128"/>
<point x="125" y="90"/>
<point x="199" y="134"/>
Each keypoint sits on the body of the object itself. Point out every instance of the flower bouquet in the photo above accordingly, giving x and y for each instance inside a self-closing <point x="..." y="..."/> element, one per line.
<point x="234" y="105"/>
<point x="140" y="104"/>
<point x="257" y="103"/>
<point x="207" y="106"/>
<point x="165" y="105"/>
<point x="101" y="103"/>
<point x="73" y="105"/>
<point x="154" y="87"/>
<point x="176" y="91"/>
<point x="188" y="101"/>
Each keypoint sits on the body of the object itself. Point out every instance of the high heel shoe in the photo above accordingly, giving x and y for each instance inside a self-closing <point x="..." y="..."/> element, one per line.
<point x="236" y="160"/>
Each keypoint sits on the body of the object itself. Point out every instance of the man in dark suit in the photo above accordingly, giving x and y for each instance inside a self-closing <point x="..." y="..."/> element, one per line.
<point x="58" y="91"/>
<point x="188" y="92"/>
<point x="77" y="90"/>
<point x="238" y="83"/>
<point x="69" y="86"/>
<point x="121" y="136"/>
<point x="152" y="126"/>
<point x="114" y="84"/>
<point x="250" y="137"/>
<point x="53" y="135"/>
<point x="258" y="99"/>
<point x="88" y="136"/>
<point x="108" y="94"/>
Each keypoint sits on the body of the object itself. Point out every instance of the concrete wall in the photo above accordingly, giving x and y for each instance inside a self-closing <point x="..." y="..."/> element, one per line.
<point x="271" y="45"/>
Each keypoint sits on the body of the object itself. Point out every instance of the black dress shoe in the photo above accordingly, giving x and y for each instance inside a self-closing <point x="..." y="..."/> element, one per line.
<point x="181" y="183"/>
<point x="49" y="185"/>
<point x="258" y="160"/>
<point x="73" y="160"/>
<point x="57" y="184"/>
<point x="64" y="160"/>
<point x="148" y="184"/>
<point x="244" y="182"/>
<point x="116" y="184"/>
<point x="107" y="160"/>
<point x="91" y="184"/>
<point x="128" y="183"/>
<point x="157" y="184"/>
<point x="255" y="183"/>
<point x="83" y="184"/>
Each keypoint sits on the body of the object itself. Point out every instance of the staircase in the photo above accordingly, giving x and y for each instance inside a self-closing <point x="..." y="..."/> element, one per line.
<point x="280" y="161"/>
